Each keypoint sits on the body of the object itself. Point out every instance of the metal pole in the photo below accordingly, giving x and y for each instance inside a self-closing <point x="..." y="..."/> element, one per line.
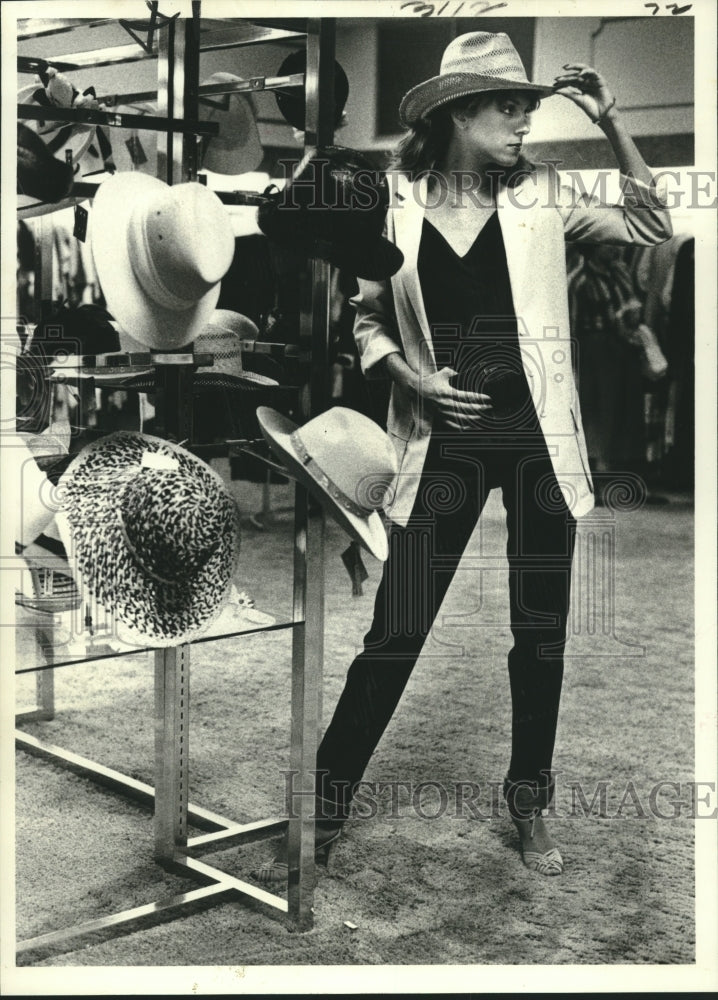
<point x="191" y="143"/>
<point x="45" y="693"/>
<point x="172" y="665"/>
<point x="171" y="750"/>
<point x="170" y="99"/>
<point x="308" y="637"/>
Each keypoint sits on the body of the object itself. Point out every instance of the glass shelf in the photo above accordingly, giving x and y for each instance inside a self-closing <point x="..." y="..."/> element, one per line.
<point x="71" y="647"/>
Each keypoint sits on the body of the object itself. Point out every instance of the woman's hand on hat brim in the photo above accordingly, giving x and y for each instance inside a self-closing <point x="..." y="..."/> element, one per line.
<point x="586" y="87"/>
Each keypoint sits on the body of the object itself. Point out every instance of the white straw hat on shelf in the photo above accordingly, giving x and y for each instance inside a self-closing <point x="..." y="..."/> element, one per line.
<point x="160" y="253"/>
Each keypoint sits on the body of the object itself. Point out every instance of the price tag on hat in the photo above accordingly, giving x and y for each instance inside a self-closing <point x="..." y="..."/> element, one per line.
<point x="80" y="227"/>
<point x="156" y="460"/>
<point x="136" y="151"/>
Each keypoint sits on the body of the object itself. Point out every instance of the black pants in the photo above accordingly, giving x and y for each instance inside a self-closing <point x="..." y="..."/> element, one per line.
<point x="458" y="474"/>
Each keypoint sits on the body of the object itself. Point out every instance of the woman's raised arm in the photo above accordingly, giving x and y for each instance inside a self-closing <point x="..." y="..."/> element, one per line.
<point x="587" y="88"/>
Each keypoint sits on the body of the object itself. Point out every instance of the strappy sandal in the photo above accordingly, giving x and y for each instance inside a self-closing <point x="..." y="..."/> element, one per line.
<point x="277" y="870"/>
<point x="525" y="804"/>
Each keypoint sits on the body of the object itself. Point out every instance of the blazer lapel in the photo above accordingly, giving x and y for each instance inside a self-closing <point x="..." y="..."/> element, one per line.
<point x="517" y="230"/>
<point x="408" y="213"/>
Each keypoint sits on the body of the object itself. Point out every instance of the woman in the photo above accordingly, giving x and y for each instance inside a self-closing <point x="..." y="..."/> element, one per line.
<point x="473" y="333"/>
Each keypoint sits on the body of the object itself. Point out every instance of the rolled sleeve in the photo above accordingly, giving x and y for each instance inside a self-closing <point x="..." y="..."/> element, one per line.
<point x="638" y="194"/>
<point x="641" y="216"/>
<point x="375" y="329"/>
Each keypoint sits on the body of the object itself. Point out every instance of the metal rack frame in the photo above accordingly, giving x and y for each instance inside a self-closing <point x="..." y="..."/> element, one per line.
<point x="179" y="46"/>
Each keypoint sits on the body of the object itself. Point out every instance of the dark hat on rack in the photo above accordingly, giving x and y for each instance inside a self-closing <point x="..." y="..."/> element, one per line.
<point x="345" y="460"/>
<point x="237" y="149"/>
<point x="66" y="333"/>
<point x="52" y="90"/>
<point x="160" y="252"/>
<point x="40" y="175"/>
<point x="290" y="100"/>
<point x="334" y="209"/>
<point x="151" y="533"/>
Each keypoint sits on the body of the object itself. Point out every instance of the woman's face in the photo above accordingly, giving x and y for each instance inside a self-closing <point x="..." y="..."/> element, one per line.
<point x="494" y="133"/>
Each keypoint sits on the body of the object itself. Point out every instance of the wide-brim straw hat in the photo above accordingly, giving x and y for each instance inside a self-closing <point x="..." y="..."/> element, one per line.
<point x="345" y="460"/>
<point x="160" y="253"/>
<point x="237" y="149"/>
<point x="223" y="338"/>
<point x="151" y="533"/>
<point x="472" y="63"/>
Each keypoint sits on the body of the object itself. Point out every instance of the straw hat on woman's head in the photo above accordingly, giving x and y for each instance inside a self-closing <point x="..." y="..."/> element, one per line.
<point x="160" y="254"/>
<point x="473" y="63"/>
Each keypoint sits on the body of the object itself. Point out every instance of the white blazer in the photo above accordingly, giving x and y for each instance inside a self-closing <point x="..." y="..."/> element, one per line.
<point x="536" y="217"/>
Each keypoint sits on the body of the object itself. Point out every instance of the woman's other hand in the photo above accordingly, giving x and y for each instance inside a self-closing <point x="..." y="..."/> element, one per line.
<point x="585" y="87"/>
<point x="458" y="409"/>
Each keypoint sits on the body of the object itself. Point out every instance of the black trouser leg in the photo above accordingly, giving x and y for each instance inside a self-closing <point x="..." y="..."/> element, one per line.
<point x="423" y="557"/>
<point x="541" y="535"/>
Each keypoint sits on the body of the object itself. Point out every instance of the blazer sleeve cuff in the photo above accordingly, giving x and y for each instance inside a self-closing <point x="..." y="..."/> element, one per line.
<point x="378" y="348"/>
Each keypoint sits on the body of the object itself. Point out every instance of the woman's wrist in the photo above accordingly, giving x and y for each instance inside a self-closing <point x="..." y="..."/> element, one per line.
<point x="609" y="114"/>
<point x="399" y="371"/>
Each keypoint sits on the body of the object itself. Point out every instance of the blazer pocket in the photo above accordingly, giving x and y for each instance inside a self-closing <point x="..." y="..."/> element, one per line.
<point x="402" y="427"/>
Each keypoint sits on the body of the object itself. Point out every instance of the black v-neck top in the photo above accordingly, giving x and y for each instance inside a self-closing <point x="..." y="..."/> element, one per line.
<point x="471" y="315"/>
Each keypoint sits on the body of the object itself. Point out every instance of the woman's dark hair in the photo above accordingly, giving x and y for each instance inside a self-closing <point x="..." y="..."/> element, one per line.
<point x="425" y="144"/>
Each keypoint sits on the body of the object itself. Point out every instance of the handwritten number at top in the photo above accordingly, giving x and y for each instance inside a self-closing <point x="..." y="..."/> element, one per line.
<point x="450" y="8"/>
<point x="673" y="7"/>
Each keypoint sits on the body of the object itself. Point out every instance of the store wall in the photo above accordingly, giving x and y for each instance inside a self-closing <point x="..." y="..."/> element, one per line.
<point x="632" y="52"/>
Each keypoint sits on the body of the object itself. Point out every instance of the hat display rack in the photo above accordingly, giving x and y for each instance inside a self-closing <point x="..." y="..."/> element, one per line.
<point x="176" y="44"/>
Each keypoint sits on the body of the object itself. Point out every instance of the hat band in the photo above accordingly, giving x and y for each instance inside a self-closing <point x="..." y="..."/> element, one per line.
<point x="144" y="267"/>
<point x="325" y="482"/>
<point x="136" y="555"/>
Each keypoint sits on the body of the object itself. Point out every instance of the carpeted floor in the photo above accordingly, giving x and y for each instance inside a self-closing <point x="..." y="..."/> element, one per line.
<point x="420" y="891"/>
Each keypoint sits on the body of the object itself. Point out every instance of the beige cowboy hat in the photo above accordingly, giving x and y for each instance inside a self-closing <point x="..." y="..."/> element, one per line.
<point x="237" y="149"/>
<point x="160" y="253"/>
<point x="472" y="63"/>
<point x="345" y="460"/>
